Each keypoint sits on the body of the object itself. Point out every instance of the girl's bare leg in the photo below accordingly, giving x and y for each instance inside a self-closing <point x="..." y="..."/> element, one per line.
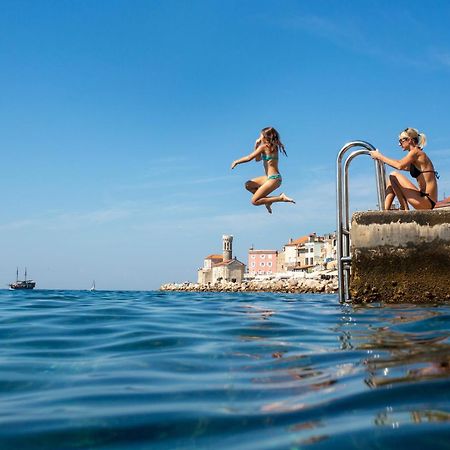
<point x="254" y="184"/>
<point x="260" y="196"/>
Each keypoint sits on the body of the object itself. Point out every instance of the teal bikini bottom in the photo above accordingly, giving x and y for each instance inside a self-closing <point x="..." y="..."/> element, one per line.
<point x="274" y="177"/>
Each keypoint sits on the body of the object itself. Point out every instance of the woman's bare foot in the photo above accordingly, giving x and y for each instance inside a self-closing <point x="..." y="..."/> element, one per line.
<point x="285" y="198"/>
<point x="269" y="207"/>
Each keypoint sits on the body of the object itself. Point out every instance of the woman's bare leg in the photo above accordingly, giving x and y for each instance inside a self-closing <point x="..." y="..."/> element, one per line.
<point x="397" y="188"/>
<point x="390" y="195"/>
<point x="407" y="193"/>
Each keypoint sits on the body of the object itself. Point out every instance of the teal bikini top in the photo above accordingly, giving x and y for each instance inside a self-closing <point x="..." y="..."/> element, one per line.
<point x="265" y="157"/>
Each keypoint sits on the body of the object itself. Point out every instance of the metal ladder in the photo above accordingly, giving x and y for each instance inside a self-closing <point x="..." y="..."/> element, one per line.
<point x="343" y="219"/>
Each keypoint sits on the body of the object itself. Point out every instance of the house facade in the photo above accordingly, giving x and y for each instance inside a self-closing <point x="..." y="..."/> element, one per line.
<point x="329" y="250"/>
<point x="228" y="271"/>
<point x="313" y="250"/>
<point x="204" y="275"/>
<point x="301" y="254"/>
<point x="289" y="260"/>
<point x="262" y="262"/>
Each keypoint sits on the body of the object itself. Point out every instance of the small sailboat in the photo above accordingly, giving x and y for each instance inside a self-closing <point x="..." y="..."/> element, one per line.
<point x="22" y="284"/>
<point x="93" y="286"/>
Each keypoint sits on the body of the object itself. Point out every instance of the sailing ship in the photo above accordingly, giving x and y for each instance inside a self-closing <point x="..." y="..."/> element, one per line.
<point x="93" y="286"/>
<point x="22" y="284"/>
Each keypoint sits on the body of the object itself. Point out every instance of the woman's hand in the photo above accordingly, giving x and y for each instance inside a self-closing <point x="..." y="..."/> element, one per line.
<point x="376" y="155"/>
<point x="234" y="164"/>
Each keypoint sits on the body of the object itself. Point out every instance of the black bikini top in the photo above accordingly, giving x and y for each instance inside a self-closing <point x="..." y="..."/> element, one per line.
<point x="415" y="172"/>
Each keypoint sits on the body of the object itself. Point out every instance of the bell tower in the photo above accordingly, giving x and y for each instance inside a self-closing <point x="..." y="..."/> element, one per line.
<point x="227" y="247"/>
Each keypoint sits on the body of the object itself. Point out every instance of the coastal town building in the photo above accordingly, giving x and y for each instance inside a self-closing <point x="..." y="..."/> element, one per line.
<point x="205" y="273"/>
<point x="289" y="255"/>
<point x="262" y="262"/>
<point x="223" y="267"/>
<point x="311" y="251"/>
<point x="329" y="249"/>
<point x="232" y="270"/>
<point x="305" y="252"/>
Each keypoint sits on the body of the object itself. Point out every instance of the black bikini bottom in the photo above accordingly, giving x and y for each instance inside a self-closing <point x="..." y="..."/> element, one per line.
<point x="425" y="194"/>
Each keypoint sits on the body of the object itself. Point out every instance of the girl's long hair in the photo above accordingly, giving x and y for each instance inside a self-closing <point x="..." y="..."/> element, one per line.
<point x="272" y="138"/>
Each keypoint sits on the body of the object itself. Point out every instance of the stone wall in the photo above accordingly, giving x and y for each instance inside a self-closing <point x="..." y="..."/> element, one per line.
<point x="400" y="256"/>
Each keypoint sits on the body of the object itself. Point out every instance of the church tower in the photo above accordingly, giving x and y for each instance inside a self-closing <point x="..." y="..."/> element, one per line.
<point x="227" y="247"/>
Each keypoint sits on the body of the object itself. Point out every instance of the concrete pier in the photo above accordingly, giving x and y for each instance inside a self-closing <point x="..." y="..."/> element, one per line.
<point x="400" y="256"/>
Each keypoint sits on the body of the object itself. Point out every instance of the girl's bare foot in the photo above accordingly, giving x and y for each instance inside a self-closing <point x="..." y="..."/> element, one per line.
<point x="269" y="208"/>
<point x="285" y="198"/>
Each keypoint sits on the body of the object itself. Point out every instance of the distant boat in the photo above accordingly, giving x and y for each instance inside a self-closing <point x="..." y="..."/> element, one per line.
<point x="93" y="286"/>
<point x="22" y="284"/>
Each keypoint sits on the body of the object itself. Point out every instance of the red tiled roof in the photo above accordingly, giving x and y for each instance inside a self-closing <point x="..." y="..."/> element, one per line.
<point x="301" y="240"/>
<point x="443" y="203"/>
<point x="220" y="257"/>
<point x="226" y="263"/>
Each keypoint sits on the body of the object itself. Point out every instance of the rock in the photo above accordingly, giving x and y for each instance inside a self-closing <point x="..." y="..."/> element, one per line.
<point x="292" y="285"/>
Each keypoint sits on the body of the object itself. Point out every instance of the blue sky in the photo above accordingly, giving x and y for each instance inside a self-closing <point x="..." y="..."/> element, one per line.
<point x="120" y="119"/>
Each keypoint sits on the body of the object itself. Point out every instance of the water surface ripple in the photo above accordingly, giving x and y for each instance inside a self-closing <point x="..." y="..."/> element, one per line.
<point x="164" y="370"/>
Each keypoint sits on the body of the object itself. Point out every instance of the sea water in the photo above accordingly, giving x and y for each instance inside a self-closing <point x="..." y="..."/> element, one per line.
<point x="164" y="370"/>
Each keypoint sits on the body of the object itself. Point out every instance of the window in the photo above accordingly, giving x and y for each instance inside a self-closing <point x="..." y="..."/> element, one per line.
<point x="253" y="264"/>
<point x="262" y="263"/>
<point x="269" y="264"/>
<point x="262" y="256"/>
<point x="252" y="256"/>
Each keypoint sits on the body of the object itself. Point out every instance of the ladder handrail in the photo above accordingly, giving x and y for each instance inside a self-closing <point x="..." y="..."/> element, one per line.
<point x="343" y="220"/>
<point x="346" y="203"/>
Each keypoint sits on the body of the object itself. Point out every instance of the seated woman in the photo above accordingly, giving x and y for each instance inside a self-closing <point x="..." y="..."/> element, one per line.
<point x="266" y="149"/>
<point x="419" y="166"/>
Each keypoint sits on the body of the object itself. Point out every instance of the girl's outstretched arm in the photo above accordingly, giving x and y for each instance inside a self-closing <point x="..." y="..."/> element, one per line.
<point x="254" y="155"/>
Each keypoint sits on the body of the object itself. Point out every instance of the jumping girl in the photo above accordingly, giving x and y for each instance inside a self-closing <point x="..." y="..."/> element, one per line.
<point x="267" y="148"/>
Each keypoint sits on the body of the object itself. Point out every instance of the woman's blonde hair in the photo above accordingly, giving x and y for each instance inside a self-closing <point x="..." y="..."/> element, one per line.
<point x="272" y="137"/>
<point x="420" y="139"/>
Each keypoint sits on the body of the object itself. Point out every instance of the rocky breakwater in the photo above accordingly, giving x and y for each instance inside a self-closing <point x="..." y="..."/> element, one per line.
<point x="292" y="285"/>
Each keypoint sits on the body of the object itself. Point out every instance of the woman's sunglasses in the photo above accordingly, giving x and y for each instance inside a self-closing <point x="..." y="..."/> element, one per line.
<point x="400" y="141"/>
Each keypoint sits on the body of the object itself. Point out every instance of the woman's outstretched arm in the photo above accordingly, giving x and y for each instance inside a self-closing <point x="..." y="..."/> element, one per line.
<point x="399" y="164"/>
